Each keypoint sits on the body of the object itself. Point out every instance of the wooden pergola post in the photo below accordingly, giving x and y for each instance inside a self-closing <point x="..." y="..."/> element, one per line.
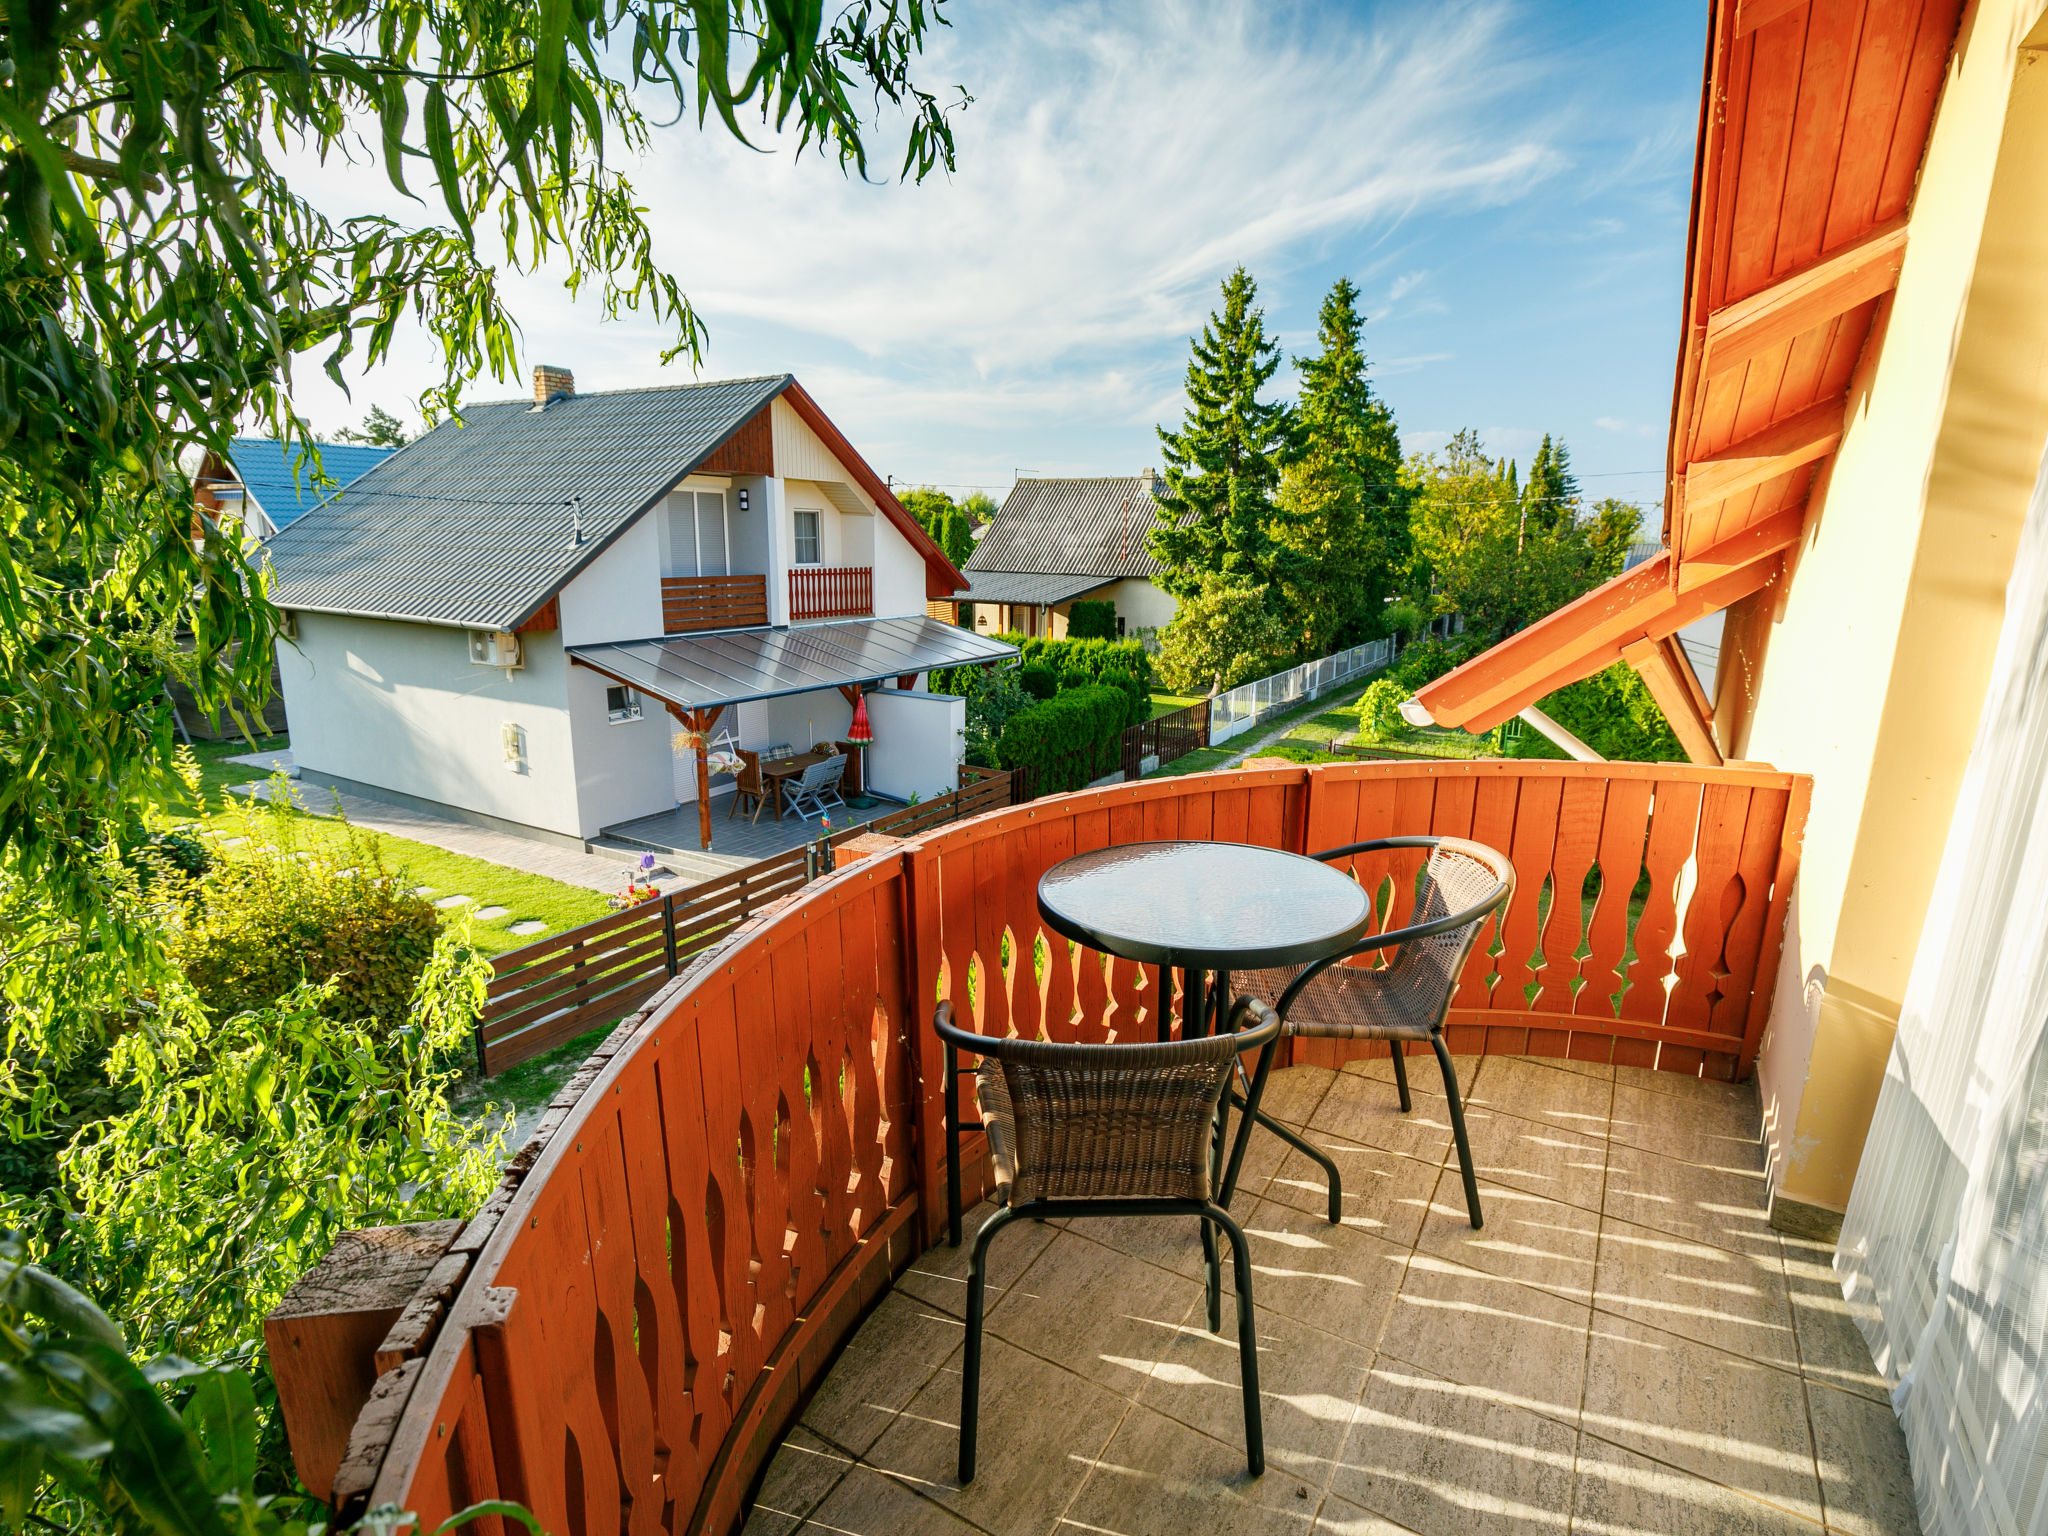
<point x="700" y="722"/>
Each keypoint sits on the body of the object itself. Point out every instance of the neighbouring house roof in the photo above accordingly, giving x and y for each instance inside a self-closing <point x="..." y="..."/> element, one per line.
<point x="1812" y="128"/>
<point x="705" y="671"/>
<point x="1027" y="587"/>
<point x="278" y="476"/>
<point x="475" y="525"/>
<point x="1071" y="528"/>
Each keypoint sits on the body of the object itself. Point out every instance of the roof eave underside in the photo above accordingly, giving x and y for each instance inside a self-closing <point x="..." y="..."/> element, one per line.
<point x="707" y="671"/>
<point x="1813" y="127"/>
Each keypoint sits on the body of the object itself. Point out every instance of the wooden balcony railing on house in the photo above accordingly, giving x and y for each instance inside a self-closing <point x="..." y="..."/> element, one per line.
<point x="831" y="591"/>
<point x="621" y="1334"/>
<point x="712" y="602"/>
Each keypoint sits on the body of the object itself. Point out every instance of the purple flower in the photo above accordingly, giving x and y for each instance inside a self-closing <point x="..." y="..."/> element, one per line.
<point x="647" y="861"/>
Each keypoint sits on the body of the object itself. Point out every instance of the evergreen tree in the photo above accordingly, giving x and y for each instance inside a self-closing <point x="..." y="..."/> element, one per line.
<point x="380" y="429"/>
<point x="1223" y="465"/>
<point x="1551" y="498"/>
<point x="1341" y="517"/>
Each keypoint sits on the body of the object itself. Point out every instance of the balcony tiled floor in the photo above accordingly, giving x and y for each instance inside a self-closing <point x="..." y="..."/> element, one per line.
<point x="1626" y="1346"/>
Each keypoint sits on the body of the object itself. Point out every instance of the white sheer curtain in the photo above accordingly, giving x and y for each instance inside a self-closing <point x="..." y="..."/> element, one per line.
<point x="1947" y="1230"/>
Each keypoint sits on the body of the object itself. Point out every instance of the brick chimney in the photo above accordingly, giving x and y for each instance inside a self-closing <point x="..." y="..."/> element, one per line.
<point x="550" y="381"/>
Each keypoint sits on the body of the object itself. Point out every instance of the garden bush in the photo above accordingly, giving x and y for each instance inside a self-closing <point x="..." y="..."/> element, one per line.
<point x="1139" y="702"/>
<point x="993" y="696"/>
<point x="1611" y="712"/>
<point x="1092" y="656"/>
<point x="1076" y="677"/>
<point x="1379" y="712"/>
<point x="1092" y="620"/>
<point x="1066" y="741"/>
<point x="270" y="918"/>
<point x="1429" y="660"/>
<point x="1041" y="682"/>
<point x="1222" y="636"/>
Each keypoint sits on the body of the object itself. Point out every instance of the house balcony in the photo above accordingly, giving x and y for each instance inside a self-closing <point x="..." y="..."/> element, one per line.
<point x="712" y="602"/>
<point x="831" y="592"/>
<point x="746" y="1182"/>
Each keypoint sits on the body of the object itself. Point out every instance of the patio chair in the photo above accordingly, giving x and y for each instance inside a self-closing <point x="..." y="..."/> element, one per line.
<point x="1109" y="1130"/>
<point x="749" y="784"/>
<point x="816" y="791"/>
<point x="1407" y="1000"/>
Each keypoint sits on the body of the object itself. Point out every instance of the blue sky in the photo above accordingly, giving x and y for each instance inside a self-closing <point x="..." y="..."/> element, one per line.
<point x="1508" y="185"/>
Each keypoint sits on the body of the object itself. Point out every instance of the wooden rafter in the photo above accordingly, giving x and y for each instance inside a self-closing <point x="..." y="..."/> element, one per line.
<point x="1757" y="542"/>
<point x="1795" y="304"/>
<point x="1777" y="450"/>
<point x="1751" y="14"/>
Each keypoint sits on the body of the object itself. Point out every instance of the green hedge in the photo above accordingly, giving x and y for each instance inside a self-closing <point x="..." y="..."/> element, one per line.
<point x="1092" y="620"/>
<point x="1611" y="712"/>
<point x="1094" y="657"/>
<point x="1039" y="681"/>
<point x="1068" y="740"/>
<point x="1134" y="693"/>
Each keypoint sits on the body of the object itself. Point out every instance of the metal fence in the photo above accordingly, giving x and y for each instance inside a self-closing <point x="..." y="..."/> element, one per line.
<point x="1162" y="740"/>
<point x="1232" y="713"/>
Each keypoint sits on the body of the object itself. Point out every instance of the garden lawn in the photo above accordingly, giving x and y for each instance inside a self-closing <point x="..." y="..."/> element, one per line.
<point x="1168" y="703"/>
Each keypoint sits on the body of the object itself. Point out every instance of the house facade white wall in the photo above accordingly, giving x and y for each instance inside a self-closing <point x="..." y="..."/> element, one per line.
<point x="401" y="707"/>
<point x="618" y="595"/>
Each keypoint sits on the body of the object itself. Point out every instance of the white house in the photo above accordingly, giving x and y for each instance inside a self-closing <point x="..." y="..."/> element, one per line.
<point x="1053" y="543"/>
<point x="506" y="619"/>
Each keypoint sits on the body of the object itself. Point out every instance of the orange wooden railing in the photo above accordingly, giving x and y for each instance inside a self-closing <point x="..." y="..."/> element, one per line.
<point x="741" y="1171"/>
<point x="712" y="602"/>
<point x="831" y="591"/>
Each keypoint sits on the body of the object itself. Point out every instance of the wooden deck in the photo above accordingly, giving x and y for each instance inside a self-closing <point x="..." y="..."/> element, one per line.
<point x="734" y="839"/>
<point x="1625" y="1347"/>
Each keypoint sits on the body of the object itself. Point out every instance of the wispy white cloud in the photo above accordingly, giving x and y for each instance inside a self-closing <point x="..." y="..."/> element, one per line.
<point x="1622" y="428"/>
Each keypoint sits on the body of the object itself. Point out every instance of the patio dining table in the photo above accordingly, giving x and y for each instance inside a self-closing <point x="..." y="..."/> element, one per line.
<point x="1206" y="909"/>
<point x="785" y="768"/>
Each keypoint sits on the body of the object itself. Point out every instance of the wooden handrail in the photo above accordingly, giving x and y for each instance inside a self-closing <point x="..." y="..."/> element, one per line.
<point x="831" y="591"/>
<point x="712" y="602"/>
<point x="748" y="1161"/>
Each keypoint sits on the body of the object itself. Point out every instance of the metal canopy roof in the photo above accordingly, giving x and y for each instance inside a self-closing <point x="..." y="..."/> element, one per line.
<point x="1028" y="587"/>
<point x="706" y="671"/>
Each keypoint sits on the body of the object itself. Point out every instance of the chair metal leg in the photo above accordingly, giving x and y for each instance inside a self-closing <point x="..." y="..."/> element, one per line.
<point x="1213" y="1273"/>
<point x="1443" y="1060"/>
<point x="1247" y="1338"/>
<point x="1401" y="1074"/>
<point x="952" y="1147"/>
<point x="970" y="1383"/>
<point x="1307" y="1149"/>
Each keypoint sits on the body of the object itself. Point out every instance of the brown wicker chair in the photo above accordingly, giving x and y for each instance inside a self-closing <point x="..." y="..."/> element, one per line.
<point x="750" y="785"/>
<point x="1109" y="1130"/>
<point x="1407" y="1000"/>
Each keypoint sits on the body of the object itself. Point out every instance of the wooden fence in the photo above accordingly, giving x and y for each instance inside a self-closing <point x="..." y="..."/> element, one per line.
<point x="619" y="1337"/>
<point x="550" y="991"/>
<point x="828" y="591"/>
<point x="712" y="602"/>
<point x="1166" y="738"/>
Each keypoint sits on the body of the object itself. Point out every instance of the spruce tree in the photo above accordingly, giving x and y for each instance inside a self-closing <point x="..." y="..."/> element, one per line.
<point x="1551" y="498"/>
<point x="1223" y="465"/>
<point x="1342" y="513"/>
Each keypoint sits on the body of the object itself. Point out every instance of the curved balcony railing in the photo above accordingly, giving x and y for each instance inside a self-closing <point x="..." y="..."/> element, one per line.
<point x="620" y="1336"/>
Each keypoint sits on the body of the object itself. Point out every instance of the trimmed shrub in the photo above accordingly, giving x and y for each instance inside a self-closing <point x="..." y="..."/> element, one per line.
<point x="1066" y="741"/>
<point x="1092" y="656"/>
<point x="1426" y="662"/>
<point x="1138" y="701"/>
<point x="1092" y="620"/>
<point x="1379" y="712"/>
<point x="1039" y="681"/>
<point x="1075" y="677"/>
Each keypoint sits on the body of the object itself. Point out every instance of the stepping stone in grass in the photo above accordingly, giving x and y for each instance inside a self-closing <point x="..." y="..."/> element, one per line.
<point x="421" y="890"/>
<point x="532" y="925"/>
<point x="454" y="901"/>
<point x="233" y="842"/>
<point x="490" y="914"/>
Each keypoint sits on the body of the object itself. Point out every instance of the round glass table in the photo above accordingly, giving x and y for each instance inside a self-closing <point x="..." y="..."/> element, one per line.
<point x="1202" y="908"/>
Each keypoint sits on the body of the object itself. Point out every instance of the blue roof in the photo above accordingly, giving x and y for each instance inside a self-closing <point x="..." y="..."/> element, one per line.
<point x="266" y="467"/>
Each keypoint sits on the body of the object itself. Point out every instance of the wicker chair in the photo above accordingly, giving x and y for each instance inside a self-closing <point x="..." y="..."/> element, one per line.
<point x="1109" y="1130"/>
<point x="1407" y="1000"/>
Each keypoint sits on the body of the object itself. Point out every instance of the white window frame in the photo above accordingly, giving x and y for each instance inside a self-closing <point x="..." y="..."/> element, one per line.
<point x="624" y="712"/>
<point x="817" y="536"/>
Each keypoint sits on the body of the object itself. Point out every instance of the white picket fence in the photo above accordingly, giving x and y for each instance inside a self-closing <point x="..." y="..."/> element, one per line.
<point x="1237" y="711"/>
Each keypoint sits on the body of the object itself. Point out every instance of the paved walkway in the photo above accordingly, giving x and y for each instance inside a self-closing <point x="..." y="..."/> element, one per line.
<point x="592" y="871"/>
<point x="1625" y="1349"/>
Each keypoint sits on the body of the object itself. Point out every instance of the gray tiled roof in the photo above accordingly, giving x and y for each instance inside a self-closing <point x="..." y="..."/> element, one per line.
<point x="731" y="666"/>
<point x="471" y="525"/>
<point x="1071" y="528"/>
<point x="1026" y="587"/>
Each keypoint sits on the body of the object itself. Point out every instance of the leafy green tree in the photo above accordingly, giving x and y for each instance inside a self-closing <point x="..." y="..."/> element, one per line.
<point x="1341" y="516"/>
<point x="1223" y="635"/>
<point x="979" y="507"/>
<point x="1614" y="526"/>
<point x="1223" y="465"/>
<point x="160" y="275"/>
<point x="928" y="506"/>
<point x="380" y="429"/>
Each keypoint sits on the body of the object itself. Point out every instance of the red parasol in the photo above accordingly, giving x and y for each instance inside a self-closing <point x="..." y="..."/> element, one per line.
<point x="860" y="732"/>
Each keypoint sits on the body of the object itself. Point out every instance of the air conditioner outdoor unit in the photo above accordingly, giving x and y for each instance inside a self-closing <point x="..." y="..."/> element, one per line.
<point x="494" y="648"/>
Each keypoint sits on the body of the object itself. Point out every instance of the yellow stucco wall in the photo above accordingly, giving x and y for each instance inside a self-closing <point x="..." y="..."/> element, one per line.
<point x="1876" y="669"/>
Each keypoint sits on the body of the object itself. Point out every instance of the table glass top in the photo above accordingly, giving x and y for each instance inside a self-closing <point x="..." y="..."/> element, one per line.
<point x="1218" y="905"/>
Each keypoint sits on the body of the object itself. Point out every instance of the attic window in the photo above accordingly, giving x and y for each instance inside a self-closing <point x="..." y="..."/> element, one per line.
<point x="621" y="705"/>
